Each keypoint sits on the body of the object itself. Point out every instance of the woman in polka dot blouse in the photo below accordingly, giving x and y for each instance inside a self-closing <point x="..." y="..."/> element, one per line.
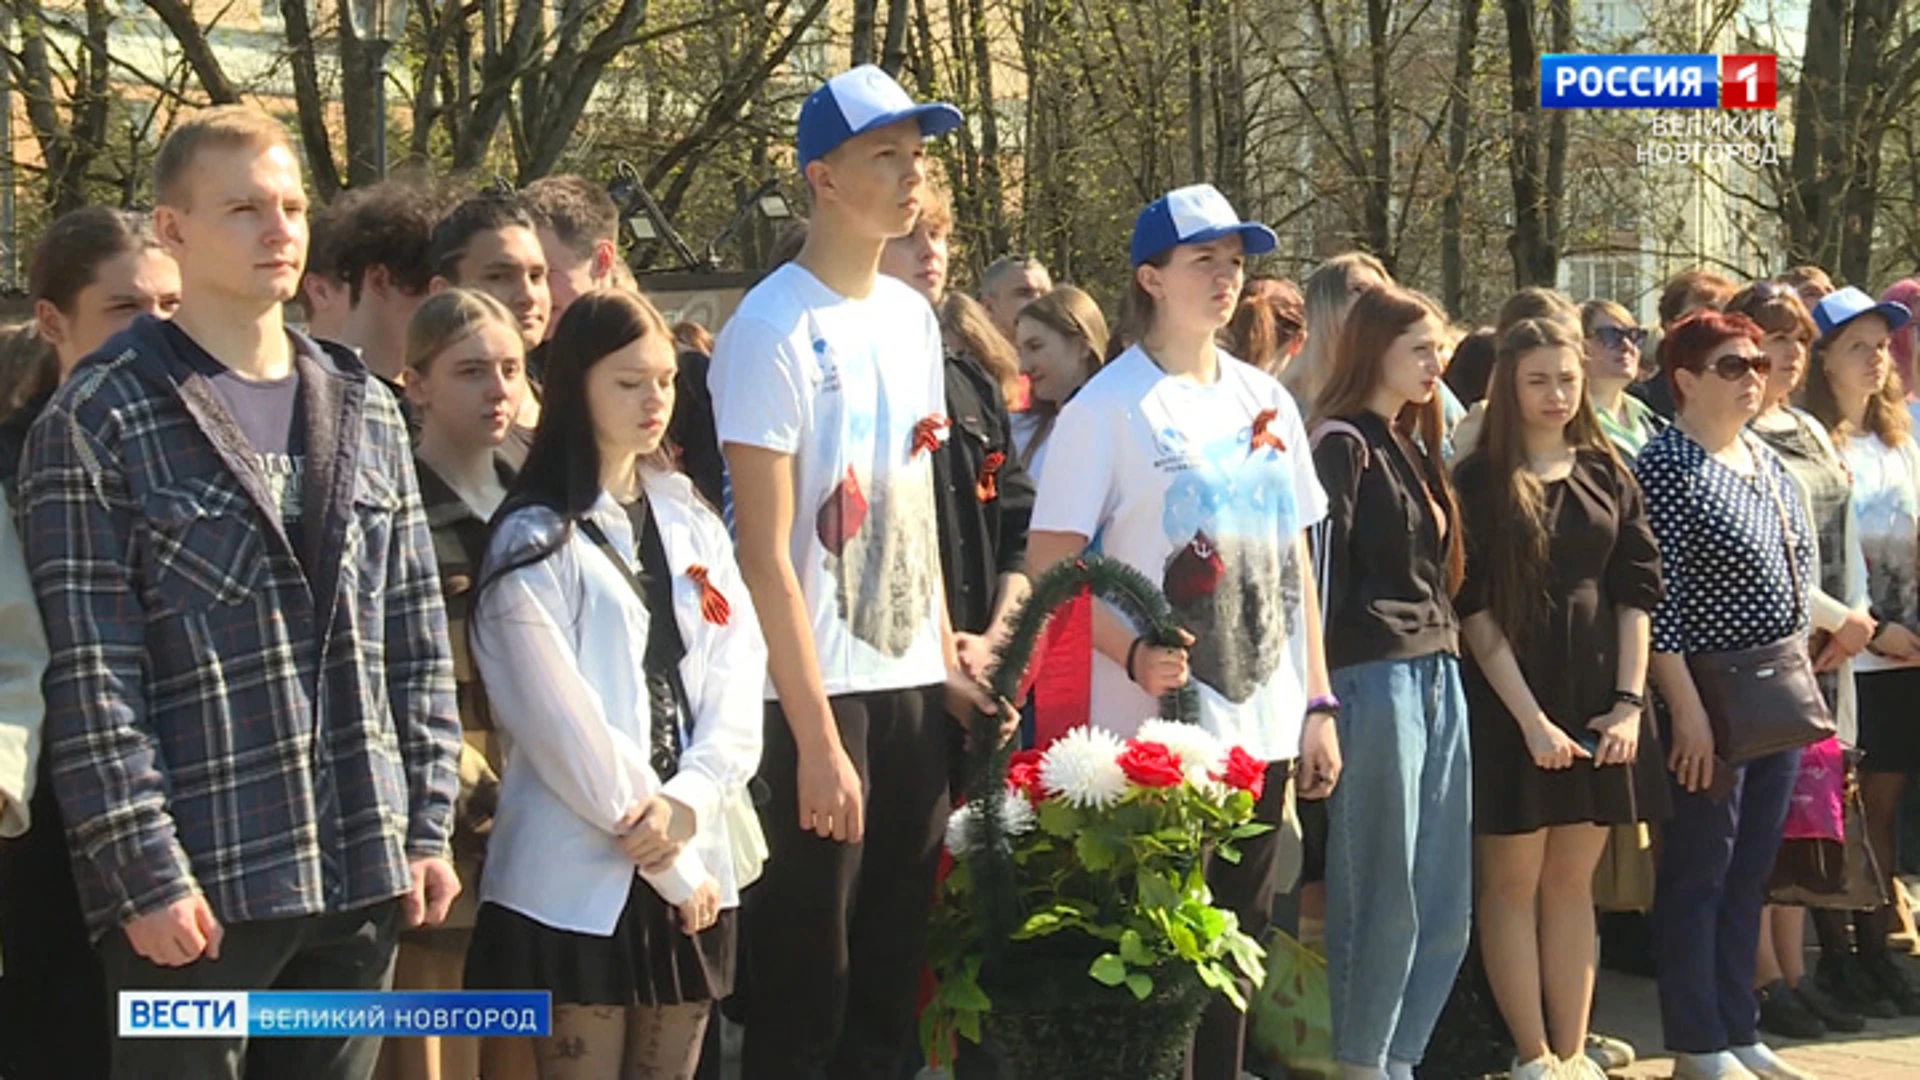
<point x="1737" y="549"/>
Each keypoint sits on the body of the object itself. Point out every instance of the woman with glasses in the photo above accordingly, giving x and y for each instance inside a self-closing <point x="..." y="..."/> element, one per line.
<point x="1852" y="388"/>
<point x="1791" y="1004"/>
<point x="1738" y="552"/>
<point x="1613" y="340"/>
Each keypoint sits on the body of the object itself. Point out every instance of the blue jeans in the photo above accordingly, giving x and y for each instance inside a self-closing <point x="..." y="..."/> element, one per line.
<point x="1399" y="856"/>
<point x="1715" y="859"/>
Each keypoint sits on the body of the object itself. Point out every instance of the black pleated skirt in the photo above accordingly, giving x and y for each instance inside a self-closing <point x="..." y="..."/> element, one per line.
<point x="648" y="960"/>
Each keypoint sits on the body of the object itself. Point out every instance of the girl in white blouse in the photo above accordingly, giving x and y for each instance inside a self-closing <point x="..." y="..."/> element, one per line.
<point x="624" y="664"/>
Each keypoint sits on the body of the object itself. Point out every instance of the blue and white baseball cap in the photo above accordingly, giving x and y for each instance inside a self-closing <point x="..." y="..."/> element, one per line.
<point x="1842" y="306"/>
<point x="1194" y="215"/>
<point x="858" y="101"/>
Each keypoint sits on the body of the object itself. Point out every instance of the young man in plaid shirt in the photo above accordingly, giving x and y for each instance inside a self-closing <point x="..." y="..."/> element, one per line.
<point x="250" y="699"/>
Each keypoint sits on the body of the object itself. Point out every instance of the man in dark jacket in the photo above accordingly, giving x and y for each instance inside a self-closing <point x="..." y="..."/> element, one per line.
<point x="250" y="698"/>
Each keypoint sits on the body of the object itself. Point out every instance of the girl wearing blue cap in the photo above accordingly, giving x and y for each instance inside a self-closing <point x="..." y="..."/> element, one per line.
<point x="1399" y="865"/>
<point x="1195" y="470"/>
<point x="1853" y="389"/>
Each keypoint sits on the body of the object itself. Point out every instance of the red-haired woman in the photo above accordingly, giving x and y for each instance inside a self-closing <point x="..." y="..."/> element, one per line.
<point x="1738" y="552"/>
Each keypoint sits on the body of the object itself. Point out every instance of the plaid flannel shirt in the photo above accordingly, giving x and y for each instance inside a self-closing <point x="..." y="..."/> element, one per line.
<point x="225" y="717"/>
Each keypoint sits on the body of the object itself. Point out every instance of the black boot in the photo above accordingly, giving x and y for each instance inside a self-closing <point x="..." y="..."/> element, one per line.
<point x="1830" y="1010"/>
<point x="1893" y="984"/>
<point x="1782" y="1013"/>
<point x="1844" y="977"/>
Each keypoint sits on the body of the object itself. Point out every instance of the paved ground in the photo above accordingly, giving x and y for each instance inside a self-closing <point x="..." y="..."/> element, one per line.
<point x="1887" y="1050"/>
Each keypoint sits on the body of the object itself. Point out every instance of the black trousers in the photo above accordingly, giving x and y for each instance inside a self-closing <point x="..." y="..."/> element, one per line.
<point x="1246" y="888"/>
<point x="833" y="935"/>
<point x="348" y="950"/>
<point x="56" y="1022"/>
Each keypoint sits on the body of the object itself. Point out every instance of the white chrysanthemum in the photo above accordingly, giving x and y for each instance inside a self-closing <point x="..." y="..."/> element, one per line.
<point x="1016" y="814"/>
<point x="959" y="831"/>
<point x="1016" y="818"/>
<point x="1083" y="768"/>
<point x="1199" y="752"/>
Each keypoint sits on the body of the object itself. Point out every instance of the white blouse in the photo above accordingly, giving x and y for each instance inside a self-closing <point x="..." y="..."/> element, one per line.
<point x="559" y="645"/>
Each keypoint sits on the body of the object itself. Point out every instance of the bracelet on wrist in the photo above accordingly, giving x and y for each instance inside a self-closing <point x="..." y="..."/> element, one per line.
<point x="1629" y="697"/>
<point x="1324" y="704"/>
<point x="1133" y="651"/>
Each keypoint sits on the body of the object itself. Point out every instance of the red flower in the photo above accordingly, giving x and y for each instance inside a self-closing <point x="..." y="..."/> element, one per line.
<point x="1023" y="775"/>
<point x="1150" y="764"/>
<point x="1244" y="771"/>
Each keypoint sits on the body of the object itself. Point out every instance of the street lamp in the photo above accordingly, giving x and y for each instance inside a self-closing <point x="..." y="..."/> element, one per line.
<point x="645" y="221"/>
<point x="377" y="24"/>
<point x="767" y="200"/>
<point x="643" y="217"/>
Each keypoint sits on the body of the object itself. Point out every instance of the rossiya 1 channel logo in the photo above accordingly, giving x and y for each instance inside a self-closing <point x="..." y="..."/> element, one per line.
<point x="1686" y="81"/>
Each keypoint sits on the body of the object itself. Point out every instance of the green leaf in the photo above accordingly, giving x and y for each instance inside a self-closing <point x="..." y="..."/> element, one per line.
<point x="1155" y="891"/>
<point x="968" y="995"/>
<point x="1093" y="853"/>
<point x="1213" y="976"/>
<point x="1057" y="818"/>
<point x="1141" y="984"/>
<point x="1039" y="924"/>
<point x="1133" y="950"/>
<point x="1228" y="853"/>
<point x="1108" y="970"/>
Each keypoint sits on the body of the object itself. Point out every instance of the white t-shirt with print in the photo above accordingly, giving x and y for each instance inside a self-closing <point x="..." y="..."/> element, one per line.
<point x="1164" y="474"/>
<point x="841" y="385"/>
<point x="1886" y="505"/>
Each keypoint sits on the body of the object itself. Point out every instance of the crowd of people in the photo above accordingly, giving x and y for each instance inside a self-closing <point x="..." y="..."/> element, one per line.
<point x="488" y="632"/>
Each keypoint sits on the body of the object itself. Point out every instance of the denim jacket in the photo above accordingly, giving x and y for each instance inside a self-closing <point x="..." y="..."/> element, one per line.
<point x="219" y="719"/>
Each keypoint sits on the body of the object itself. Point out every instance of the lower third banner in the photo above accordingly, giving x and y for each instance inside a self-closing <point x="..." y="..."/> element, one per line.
<point x="270" y="1014"/>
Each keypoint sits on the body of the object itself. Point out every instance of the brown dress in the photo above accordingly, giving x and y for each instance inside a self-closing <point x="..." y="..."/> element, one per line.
<point x="1601" y="556"/>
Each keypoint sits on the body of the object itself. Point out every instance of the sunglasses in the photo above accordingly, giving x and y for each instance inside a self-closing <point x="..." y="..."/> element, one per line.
<point x="1733" y="367"/>
<point x="1614" y="337"/>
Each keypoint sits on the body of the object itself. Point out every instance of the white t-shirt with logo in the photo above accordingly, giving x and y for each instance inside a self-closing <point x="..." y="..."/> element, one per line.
<point x="1166" y="475"/>
<point x="843" y="385"/>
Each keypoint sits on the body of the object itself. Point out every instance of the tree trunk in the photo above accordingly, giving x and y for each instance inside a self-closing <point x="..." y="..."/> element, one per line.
<point x="994" y="220"/>
<point x="1560" y="17"/>
<point x="1229" y="105"/>
<point x="1378" y="180"/>
<point x="893" y="53"/>
<point x="69" y="145"/>
<point x="1809" y="199"/>
<point x="864" y="14"/>
<point x="1196" y="100"/>
<point x="311" y="107"/>
<point x="359" y="77"/>
<point x="1531" y="240"/>
<point x="196" y="50"/>
<point x="1453" y="280"/>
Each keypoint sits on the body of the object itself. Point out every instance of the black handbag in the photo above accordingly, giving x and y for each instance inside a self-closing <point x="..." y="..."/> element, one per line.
<point x="1764" y="699"/>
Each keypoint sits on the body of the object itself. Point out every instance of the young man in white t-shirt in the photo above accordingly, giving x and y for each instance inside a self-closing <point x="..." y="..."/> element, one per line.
<point x="828" y="398"/>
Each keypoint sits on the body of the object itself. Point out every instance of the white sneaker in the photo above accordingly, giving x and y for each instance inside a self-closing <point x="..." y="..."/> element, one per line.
<point x="1765" y="1064"/>
<point x="1582" y="1067"/>
<point x="1609" y="1052"/>
<point x="1544" y="1067"/>
<point x="1720" y="1066"/>
<point x="1399" y="1070"/>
